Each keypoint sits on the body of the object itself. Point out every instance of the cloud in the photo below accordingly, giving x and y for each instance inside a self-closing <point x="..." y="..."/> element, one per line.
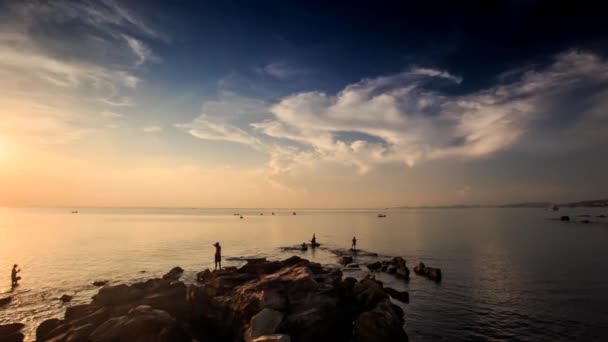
<point x="226" y="119"/>
<point x="140" y="50"/>
<point x="398" y="118"/>
<point x="281" y="70"/>
<point x="209" y="128"/>
<point x="152" y="129"/>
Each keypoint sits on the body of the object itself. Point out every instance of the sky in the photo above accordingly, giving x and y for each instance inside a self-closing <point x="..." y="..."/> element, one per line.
<point x="301" y="103"/>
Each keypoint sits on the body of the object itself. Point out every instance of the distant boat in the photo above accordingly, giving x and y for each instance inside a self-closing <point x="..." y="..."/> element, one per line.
<point x="294" y="212"/>
<point x="74" y="211"/>
<point x="273" y="213"/>
<point x="241" y="216"/>
<point x="262" y="214"/>
<point x="555" y="207"/>
<point x="381" y="215"/>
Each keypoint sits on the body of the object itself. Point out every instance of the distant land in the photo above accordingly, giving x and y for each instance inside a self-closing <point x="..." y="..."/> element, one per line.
<point x="581" y="204"/>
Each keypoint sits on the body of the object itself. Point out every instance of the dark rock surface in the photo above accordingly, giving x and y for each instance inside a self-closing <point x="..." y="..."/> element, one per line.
<point x="65" y="298"/>
<point x="293" y="299"/>
<point x="565" y="218"/>
<point x="5" y="301"/>
<point x="11" y="332"/>
<point x="100" y="283"/>
<point x="429" y="272"/>
<point x="174" y="274"/>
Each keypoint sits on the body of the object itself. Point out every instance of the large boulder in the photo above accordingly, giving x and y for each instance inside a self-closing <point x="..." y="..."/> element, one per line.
<point x="142" y="323"/>
<point x="11" y="332"/>
<point x="402" y="296"/>
<point x="174" y="274"/>
<point x="264" y="322"/>
<point x="383" y="323"/>
<point x="368" y="292"/>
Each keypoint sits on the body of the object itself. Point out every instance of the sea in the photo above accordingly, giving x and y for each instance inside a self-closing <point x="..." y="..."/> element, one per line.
<point x="508" y="273"/>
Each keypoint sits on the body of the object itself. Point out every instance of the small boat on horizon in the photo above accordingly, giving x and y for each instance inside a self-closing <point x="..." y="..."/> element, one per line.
<point x="381" y="215"/>
<point x="74" y="211"/>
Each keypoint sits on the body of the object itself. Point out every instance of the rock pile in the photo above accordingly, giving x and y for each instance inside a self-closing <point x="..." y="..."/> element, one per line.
<point x="429" y="272"/>
<point x="290" y="300"/>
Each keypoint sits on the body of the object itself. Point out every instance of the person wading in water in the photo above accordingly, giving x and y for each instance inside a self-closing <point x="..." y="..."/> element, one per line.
<point x="14" y="278"/>
<point x="218" y="255"/>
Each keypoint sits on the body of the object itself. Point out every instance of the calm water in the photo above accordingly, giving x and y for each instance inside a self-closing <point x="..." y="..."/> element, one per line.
<point x="508" y="273"/>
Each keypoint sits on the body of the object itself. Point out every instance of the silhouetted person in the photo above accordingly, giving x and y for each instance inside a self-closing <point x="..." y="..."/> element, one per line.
<point x="313" y="242"/>
<point x="14" y="278"/>
<point x="218" y="255"/>
<point x="354" y="248"/>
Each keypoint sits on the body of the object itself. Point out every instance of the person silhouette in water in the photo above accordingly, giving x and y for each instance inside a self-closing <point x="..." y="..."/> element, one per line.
<point x="313" y="242"/>
<point x="218" y="255"/>
<point x="354" y="247"/>
<point x="14" y="278"/>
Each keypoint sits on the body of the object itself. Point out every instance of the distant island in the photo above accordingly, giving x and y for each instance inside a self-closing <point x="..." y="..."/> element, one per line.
<point x="580" y="204"/>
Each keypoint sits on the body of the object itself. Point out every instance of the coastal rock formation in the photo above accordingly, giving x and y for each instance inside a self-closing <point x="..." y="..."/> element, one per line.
<point x="11" y="332"/>
<point x="290" y="300"/>
<point x="65" y="298"/>
<point x="174" y="274"/>
<point x="396" y="266"/>
<point x="429" y="272"/>
<point x="100" y="283"/>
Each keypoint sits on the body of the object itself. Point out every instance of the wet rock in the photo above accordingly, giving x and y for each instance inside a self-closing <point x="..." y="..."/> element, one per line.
<point x="345" y="260"/>
<point x="11" y="332"/>
<point x="368" y="293"/>
<point x="118" y="294"/>
<point x="43" y="332"/>
<point x="273" y="338"/>
<point x="429" y="272"/>
<point x="383" y="323"/>
<point x="402" y="296"/>
<point x="142" y="323"/>
<point x="565" y="218"/>
<point x="174" y="274"/>
<point x="65" y="298"/>
<point x="264" y="322"/>
<point x="374" y="266"/>
<point x="100" y="283"/>
<point x="5" y="301"/>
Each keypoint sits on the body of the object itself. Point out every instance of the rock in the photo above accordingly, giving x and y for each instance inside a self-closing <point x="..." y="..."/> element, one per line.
<point x="392" y="269"/>
<point x="43" y="332"/>
<point x="368" y="293"/>
<point x="352" y="266"/>
<point x="273" y="338"/>
<point x="429" y="272"/>
<point x="11" y="332"/>
<point x="100" y="283"/>
<point x="601" y="216"/>
<point x="565" y="218"/>
<point x="345" y="260"/>
<point x="383" y="323"/>
<point x="142" y="323"/>
<point x="586" y="221"/>
<point x="5" y="301"/>
<point x="402" y="296"/>
<point x="264" y="322"/>
<point x="374" y="266"/>
<point x="65" y="298"/>
<point x="118" y="294"/>
<point x="174" y="274"/>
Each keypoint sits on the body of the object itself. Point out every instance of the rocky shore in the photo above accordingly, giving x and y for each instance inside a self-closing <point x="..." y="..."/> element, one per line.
<point x="289" y="300"/>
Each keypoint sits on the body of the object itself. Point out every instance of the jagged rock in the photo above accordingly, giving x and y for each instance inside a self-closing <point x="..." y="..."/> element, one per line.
<point x="11" y="332"/>
<point x="295" y="297"/>
<point x="368" y="293"/>
<point x="65" y="298"/>
<point x="174" y="274"/>
<point x="273" y="338"/>
<point x="264" y="322"/>
<point x="429" y="272"/>
<point x="402" y="296"/>
<point x="142" y="323"/>
<point x="100" y="283"/>
<point x="383" y="323"/>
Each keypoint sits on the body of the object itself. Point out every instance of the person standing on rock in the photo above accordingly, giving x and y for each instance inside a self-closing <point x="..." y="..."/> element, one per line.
<point x="354" y="247"/>
<point x="313" y="241"/>
<point x="14" y="278"/>
<point x="218" y="255"/>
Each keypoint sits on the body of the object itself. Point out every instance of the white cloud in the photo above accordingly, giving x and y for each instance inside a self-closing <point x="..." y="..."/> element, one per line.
<point x="140" y="50"/>
<point x="397" y="119"/>
<point x="281" y="70"/>
<point x="209" y="128"/>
